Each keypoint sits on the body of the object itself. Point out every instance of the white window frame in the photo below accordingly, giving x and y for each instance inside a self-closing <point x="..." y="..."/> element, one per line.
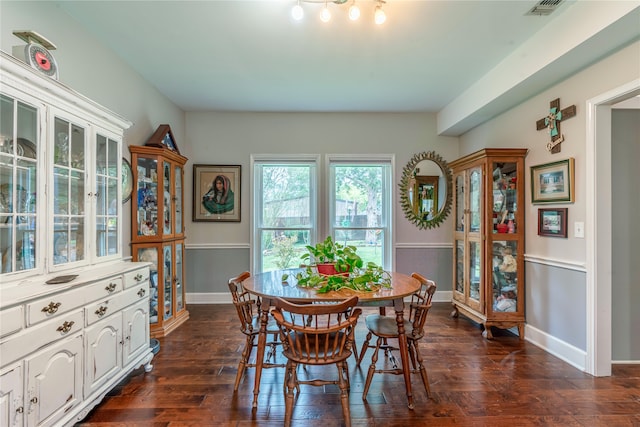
<point x="256" y="197"/>
<point x="387" y="213"/>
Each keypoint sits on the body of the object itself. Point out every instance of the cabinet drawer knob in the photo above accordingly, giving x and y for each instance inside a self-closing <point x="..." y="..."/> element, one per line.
<point x="51" y="308"/>
<point x="111" y="287"/>
<point x="102" y="311"/>
<point x="34" y="399"/>
<point x="20" y="409"/>
<point x="138" y="277"/>
<point x="141" y="293"/>
<point x="66" y="327"/>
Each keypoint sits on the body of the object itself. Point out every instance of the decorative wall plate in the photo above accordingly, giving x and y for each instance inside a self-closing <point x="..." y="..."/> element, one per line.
<point x="127" y="180"/>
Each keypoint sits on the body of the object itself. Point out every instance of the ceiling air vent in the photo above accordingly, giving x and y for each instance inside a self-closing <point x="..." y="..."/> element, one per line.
<point x="544" y="7"/>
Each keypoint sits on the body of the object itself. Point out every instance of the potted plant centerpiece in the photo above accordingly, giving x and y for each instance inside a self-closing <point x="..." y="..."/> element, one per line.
<point x="344" y="269"/>
<point x="331" y="258"/>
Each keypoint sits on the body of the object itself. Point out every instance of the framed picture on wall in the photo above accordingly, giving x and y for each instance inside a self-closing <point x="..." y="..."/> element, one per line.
<point x="216" y="193"/>
<point x="553" y="182"/>
<point x="552" y="222"/>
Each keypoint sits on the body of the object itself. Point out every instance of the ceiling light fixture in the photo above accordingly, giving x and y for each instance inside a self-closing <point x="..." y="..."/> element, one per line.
<point x="379" y="16"/>
<point x="325" y="15"/>
<point x="354" y="13"/>
<point x="297" y="12"/>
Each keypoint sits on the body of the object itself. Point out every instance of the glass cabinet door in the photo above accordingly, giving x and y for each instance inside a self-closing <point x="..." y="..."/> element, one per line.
<point x="459" y="206"/>
<point x="475" y="199"/>
<point x="475" y="269"/>
<point x="150" y="254"/>
<point x="168" y="281"/>
<point x="106" y="192"/>
<point x="167" y="211"/>
<point x="18" y="185"/>
<point x="147" y="197"/>
<point x="459" y="269"/>
<point x="178" y="200"/>
<point x="69" y="194"/>
<point x="179" y="274"/>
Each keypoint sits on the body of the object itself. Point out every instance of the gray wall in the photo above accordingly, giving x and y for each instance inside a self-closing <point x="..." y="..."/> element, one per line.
<point x="231" y="138"/>
<point x="625" y="286"/>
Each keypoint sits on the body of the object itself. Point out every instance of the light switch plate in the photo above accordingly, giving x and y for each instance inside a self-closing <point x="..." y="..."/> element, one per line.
<point x="578" y="228"/>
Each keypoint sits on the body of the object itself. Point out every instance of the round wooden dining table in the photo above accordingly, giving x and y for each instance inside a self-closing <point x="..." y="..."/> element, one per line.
<point x="269" y="286"/>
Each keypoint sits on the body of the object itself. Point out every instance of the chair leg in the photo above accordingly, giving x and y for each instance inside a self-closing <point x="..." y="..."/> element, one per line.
<point x="244" y="360"/>
<point x="422" y="369"/>
<point x="365" y="345"/>
<point x="372" y="369"/>
<point x="344" y="393"/>
<point x="290" y="383"/>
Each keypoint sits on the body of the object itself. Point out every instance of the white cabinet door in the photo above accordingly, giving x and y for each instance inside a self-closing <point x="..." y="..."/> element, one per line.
<point x="102" y="352"/>
<point x="136" y="330"/>
<point x="11" y="404"/>
<point x="54" y="381"/>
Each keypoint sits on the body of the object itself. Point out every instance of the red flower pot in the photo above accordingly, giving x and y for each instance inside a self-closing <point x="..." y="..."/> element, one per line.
<point x="329" y="269"/>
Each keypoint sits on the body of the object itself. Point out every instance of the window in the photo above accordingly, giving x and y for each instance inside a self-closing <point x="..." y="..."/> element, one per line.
<point x="290" y="211"/>
<point x="284" y="211"/>
<point x="360" y="207"/>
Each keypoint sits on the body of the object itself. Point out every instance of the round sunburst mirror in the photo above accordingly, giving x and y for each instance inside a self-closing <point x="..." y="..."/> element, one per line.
<point x="426" y="190"/>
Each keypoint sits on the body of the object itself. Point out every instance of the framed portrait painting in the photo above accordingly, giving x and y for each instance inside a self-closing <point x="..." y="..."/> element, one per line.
<point x="552" y="222"/>
<point x="216" y="193"/>
<point x="553" y="182"/>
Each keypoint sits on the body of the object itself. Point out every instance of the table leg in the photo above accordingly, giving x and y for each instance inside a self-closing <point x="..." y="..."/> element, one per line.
<point x="262" y="343"/>
<point x="404" y="349"/>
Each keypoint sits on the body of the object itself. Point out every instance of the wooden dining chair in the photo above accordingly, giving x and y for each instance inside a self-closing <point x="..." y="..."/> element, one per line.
<point x="248" y="313"/>
<point x="385" y="328"/>
<point x="316" y="334"/>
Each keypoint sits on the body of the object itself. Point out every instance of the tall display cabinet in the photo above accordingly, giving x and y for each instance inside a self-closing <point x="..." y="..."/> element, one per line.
<point x="158" y="227"/>
<point x="488" y="252"/>
<point x="74" y="316"/>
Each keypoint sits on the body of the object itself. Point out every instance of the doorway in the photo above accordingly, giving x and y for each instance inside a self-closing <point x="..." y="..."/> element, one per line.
<point x="598" y="216"/>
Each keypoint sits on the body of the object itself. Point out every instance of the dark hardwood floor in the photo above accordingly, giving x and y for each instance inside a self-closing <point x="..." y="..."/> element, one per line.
<point x="474" y="382"/>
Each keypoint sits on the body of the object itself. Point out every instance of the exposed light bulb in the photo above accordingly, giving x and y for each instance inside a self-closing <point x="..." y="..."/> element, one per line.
<point x="379" y="15"/>
<point x="354" y="12"/>
<point x="297" y="12"/>
<point x="325" y="15"/>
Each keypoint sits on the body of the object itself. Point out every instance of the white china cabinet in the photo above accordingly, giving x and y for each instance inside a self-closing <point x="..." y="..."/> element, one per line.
<point x="74" y="317"/>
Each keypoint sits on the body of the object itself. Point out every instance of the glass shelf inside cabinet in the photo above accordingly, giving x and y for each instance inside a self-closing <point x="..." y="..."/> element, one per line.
<point x="475" y="198"/>
<point x="505" y="276"/>
<point x="150" y="254"/>
<point x="474" y="270"/>
<point x="147" y="196"/>
<point x="505" y="195"/>
<point x="168" y="283"/>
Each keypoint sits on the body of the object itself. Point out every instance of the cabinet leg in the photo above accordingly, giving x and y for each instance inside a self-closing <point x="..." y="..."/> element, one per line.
<point x="487" y="332"/>
<point x="521" y="330"/>
<point x="454" y="313"/>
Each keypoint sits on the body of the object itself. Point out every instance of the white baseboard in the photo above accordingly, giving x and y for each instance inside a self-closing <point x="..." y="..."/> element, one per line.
<point x="562" y="350"/>
<point x="209" y="298"/>
<point x="225" y="297"/>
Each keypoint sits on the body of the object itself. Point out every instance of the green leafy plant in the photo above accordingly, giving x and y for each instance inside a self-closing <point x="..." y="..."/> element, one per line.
<point x="355" y="275"/>
<point x="343" y="257"/>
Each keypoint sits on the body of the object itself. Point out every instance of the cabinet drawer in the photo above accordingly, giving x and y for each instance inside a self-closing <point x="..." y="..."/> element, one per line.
<point x="136" y="277"/>
<point x="104" y="308"/>
<point x="54" y="305"/>
<point x="11" y="320"/>
<point x="31" y="339"/>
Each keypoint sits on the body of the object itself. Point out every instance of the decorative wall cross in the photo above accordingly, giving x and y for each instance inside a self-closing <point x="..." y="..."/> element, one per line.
<point x="552" y="121"/>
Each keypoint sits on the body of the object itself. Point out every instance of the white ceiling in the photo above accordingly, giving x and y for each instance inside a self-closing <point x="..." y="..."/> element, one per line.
<point x="252" y="56"/>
